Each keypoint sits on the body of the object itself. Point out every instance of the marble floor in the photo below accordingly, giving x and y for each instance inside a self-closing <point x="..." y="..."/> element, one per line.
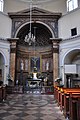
<point x="30" y="107"/>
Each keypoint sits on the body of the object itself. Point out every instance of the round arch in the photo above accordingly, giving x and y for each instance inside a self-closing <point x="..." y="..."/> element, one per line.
<point x="4" y="56"/>
<point x="51" y="31"/>
<point x="68" y="58"/>
<point x="70" y="52"/>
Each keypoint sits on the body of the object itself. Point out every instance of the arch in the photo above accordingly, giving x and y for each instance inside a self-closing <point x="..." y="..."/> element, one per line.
<point x="67" y="53"/>
<point x="35" y="22"/>
<point x="4" y="56"/>
<point x="71" y="54"/>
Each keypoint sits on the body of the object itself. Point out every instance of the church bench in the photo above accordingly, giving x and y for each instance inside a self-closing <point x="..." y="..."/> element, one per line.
<point x="66" y="91"/>
<point x="2" y="93"/>
<point x="74" y="106"/>
<point x="56" y="93"/>
<point x="65" y="99"/>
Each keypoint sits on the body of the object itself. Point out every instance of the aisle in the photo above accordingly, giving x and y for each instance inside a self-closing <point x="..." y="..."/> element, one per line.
<point x="30" y="107"/>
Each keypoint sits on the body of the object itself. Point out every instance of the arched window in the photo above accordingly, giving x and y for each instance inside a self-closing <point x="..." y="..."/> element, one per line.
<point x="72" y="4"/>
<point x="1" y="5"/>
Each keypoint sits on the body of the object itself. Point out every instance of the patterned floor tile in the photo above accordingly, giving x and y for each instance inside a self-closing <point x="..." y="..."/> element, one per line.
<point x="29" y="117"/>
<point x="4" y="114"/>
<point x="10" y="117"/>
<point x="15" y="112"/>
<point x="30" y="107"/>
<point x="2" y="111"/>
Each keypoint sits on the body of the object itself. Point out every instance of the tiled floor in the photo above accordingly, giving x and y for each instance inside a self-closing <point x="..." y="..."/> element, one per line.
<point x="30" y="107"/>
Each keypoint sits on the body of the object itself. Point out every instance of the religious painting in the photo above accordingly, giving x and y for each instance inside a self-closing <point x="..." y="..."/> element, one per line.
<point x="35" y="64"/>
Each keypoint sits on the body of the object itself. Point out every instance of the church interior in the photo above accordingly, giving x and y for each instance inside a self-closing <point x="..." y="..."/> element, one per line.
<point x="40" y="59"/>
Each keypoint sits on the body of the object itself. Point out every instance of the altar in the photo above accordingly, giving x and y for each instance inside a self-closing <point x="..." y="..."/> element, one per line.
<point x="34" y="82"/>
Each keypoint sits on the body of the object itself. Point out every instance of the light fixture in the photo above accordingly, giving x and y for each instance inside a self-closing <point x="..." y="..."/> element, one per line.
<point x="30" y="38"/>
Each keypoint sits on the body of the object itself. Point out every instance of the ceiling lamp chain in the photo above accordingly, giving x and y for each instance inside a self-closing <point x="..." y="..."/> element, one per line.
<point x="30" y="38"/>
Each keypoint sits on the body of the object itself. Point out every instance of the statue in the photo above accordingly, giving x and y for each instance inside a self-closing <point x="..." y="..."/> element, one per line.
<point x="22" y="65"/>
<point x="47" y="65"/>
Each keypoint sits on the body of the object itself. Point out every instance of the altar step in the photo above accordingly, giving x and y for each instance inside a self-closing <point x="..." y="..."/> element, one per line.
<point x="28" y="90"/>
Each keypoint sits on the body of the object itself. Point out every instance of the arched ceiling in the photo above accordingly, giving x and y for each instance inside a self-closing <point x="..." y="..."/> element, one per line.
<point x="71" y="56"/>
<point x="42" y="34"/>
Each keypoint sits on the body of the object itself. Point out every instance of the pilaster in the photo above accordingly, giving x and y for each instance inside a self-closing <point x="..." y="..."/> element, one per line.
<point x="55" y="42"/>
<point x="13" y="48"/>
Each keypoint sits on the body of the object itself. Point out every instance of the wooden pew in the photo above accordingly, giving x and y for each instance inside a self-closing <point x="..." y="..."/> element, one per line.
<point x="0" y="93"/>
<point x="63" y="96"/>
<point x="4" y="94"/>
<point x="74" y="106"/>
<point x="64" y="101"/>
<point x="57" y="94"/>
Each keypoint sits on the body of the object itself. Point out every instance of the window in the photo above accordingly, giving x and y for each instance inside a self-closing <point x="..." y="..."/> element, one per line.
<point x="72" y="4"/>
<point x="73" y="31"/>
<point x="1" y="5"/>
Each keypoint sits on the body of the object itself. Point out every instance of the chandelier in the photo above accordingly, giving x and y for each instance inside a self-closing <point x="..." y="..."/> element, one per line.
<point x="30" y="38"/>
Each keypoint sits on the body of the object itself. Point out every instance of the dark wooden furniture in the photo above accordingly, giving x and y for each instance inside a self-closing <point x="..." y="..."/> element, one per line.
<point x="2" y="93"/>
<point x="74" y="106"/>
<point x="69" y="101"/>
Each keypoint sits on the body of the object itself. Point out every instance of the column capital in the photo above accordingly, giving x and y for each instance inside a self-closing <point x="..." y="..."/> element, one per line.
<point x="55" y="42"/>
<point x="11" y="40"/>
<point x="13" y="43"/>
<point x="56" y="39"/>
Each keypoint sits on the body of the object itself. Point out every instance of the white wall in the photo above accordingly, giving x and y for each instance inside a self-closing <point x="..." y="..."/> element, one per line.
<point x="17" y="5"/>
<point x="66" y="47"/>
<point x="69" y="21"/>
<point x="56" y="6"/>
<point x="14" y="6"/>
<point x="5" y="26"/>
<point x="5" y="52"/>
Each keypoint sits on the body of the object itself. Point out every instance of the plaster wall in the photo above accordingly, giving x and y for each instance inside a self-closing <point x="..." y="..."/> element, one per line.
<point x="5" y="52"/>
<point x="67" y="46"/>
<point x="17" y="5"/>
<point x="67" y="22"/>
<point x="5" y="26"/>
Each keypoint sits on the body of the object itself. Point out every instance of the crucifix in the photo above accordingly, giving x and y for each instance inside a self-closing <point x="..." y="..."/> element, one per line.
<point x="34" y="60"/>
<point x="35" y="64"/>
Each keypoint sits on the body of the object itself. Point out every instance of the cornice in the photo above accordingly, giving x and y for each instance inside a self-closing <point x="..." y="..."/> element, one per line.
<point x="71" y="38"/>
<point x="4" y="40"/>
<point x="36" y="12"/>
